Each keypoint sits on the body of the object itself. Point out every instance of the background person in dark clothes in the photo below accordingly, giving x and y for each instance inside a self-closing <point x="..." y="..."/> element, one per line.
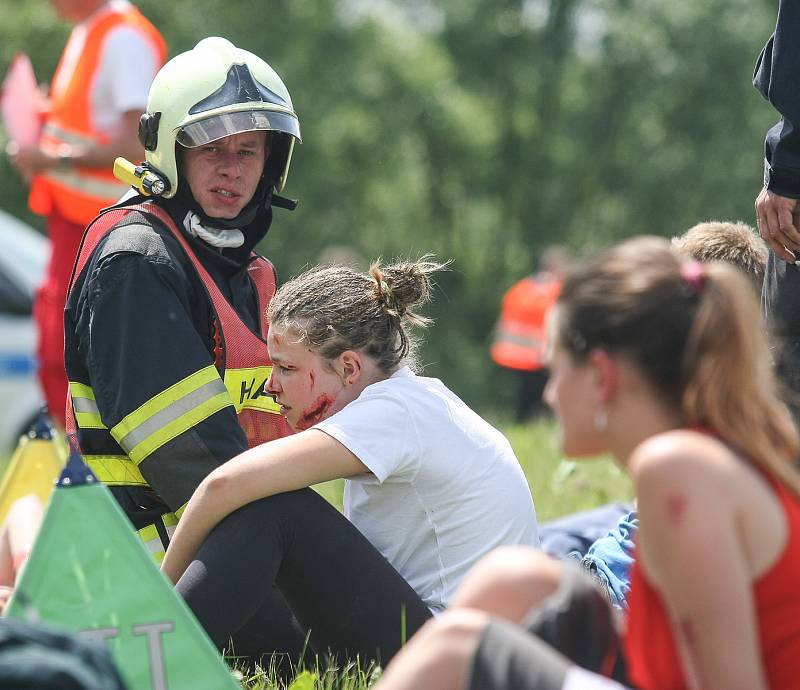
<point x="777" y="78"/>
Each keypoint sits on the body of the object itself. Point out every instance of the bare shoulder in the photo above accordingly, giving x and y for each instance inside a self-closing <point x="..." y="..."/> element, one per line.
<point x="678" y="454"/>
<point x="698" y="496"/>
<point x="686" y="507"/>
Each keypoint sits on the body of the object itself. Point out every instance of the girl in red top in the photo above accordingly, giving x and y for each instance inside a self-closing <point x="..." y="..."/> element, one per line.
<point x="663" y="363"/>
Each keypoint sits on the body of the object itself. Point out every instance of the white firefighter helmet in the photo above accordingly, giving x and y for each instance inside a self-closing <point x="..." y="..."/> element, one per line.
<point x="213" y="91"/>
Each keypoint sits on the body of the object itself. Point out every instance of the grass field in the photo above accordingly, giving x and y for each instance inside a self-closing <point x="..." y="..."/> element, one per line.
<point x="559" y="487"/>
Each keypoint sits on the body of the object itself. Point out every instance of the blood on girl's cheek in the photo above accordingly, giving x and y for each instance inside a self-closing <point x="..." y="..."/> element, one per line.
<point x="315" y="412"/>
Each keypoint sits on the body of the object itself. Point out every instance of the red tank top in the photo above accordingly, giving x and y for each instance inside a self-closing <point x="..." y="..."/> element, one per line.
<point x="652" y="656"/>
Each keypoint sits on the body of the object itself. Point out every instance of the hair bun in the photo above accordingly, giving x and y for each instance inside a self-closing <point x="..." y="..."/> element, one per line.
<point x="387" y="297"/>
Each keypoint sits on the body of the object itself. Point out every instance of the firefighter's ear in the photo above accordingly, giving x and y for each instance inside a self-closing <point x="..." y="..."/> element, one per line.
<point x="148" y="130"/>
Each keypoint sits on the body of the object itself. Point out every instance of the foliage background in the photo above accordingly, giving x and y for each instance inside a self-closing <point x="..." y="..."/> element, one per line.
<point x="483" y="130"/>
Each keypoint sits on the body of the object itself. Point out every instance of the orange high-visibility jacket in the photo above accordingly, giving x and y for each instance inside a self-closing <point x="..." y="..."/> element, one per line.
<point x="79" y="193"/>
<point x="520" y="337"/>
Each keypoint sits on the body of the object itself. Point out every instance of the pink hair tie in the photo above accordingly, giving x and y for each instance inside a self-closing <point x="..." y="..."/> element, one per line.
<point x="694" y="273"/>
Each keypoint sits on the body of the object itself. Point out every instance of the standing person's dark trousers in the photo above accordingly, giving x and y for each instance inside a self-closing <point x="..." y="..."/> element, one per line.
<point x="530" y="403"/>
<point x="781" y="301"/>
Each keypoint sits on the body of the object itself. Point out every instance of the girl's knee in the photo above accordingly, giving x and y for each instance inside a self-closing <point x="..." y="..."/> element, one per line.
<point x="452" y="637"/>
<point x="439" y="656"/>
<point x="510" y="581"/>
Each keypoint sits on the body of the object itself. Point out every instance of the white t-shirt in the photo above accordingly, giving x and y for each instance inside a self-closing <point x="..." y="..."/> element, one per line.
<point x="126" y="67"/>
<point x="122" y="82"/>
<point x="445" y="489"/>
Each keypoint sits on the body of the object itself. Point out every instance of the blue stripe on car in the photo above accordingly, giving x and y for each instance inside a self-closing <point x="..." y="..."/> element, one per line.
<point x="12" y="364"/>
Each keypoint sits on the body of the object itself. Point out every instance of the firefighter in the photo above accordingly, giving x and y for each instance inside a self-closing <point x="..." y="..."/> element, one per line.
<point x="165" y="324"/>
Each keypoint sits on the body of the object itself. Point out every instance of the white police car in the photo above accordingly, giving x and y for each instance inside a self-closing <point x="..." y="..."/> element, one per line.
<point x="23" y="258"/>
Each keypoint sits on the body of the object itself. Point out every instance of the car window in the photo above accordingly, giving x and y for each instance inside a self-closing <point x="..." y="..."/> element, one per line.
<point x="13" y="300"/>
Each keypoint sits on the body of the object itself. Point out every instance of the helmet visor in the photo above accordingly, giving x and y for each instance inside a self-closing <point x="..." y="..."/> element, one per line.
<point x="224" y="125"/>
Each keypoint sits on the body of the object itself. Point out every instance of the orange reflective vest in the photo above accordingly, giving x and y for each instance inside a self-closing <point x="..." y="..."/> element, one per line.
<point x="242" y="356"/>
<point x="520" y="336"/>
<point x="78" y="193"/>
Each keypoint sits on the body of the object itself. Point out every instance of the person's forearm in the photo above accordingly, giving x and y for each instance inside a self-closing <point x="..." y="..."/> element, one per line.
<point x="240" y="481"/>
<point x="202" y="514"/>
<point x="286" y="464"/>
<point x="244" y="479"/>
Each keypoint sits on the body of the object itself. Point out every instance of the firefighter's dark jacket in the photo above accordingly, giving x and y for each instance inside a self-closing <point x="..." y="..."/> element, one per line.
<point x="138" y="321"/>
<point x="777" y="77"/>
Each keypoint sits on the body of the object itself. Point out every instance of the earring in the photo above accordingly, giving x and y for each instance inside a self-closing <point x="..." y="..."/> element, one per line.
<point x="601" y="419"/>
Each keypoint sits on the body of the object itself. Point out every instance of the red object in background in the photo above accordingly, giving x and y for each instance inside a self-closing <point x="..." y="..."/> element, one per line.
<point x="21" y="103"/>
<point x="48" y="311"/>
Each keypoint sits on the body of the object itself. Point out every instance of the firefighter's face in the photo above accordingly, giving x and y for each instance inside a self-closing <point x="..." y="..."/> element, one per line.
<point x="307" y="387"/>
<point x="224" y="174"/>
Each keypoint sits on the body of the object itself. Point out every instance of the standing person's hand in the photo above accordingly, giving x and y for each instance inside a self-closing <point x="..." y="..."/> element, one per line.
<point x="778" y="219"/>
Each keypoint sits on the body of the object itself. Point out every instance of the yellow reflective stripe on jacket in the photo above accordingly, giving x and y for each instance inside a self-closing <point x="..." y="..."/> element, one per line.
<point x="179" y="512"/>
<point x="170" y="521"/>
<point x="246" y="388"/>
<point x="171" y="412"/>
<point x="115" y="470"/>
<point x="87" y="416"/>
<point x="152" y="542"/>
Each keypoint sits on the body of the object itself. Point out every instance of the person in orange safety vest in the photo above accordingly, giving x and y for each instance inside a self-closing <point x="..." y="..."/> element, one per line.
<point x="520" y="334"/>
<point x="97" y="95"/>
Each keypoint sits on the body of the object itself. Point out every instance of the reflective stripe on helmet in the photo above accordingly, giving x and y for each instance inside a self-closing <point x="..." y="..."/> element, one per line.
<point x="171" y="412"/>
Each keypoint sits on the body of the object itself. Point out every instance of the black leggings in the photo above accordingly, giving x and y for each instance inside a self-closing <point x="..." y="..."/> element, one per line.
<point x="573" y="627"/>
<point x="291" y="566"/>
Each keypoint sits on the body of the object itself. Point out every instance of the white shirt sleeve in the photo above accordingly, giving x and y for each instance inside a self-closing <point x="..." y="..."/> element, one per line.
<point x="379" y="431"/>
<point x="126" y="69"/>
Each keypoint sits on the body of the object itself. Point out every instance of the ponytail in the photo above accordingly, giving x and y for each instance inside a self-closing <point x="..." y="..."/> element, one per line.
<point x="729" y="384"/>
<point x="696" y="333"/>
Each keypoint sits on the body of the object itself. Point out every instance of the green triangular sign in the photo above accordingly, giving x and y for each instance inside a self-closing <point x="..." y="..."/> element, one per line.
<point x="89" y="572"/>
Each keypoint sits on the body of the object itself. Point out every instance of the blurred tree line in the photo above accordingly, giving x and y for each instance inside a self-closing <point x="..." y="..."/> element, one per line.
<point x="482" y="131"/>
